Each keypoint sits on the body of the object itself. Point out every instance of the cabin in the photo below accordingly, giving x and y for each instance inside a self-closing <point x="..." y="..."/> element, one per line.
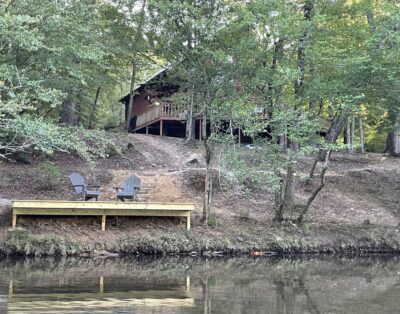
<point x="153" y="111"/>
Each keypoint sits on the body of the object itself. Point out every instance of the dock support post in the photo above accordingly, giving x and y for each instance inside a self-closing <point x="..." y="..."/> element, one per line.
<point x="10" y="289"/>
<point x="14" y="221"/>
<point x="101" y="284"/>
<point x="188" y="222"/>
<point x="147" y="130"/>
<point x="103" y="221"/>
<point x="161" y="127"/>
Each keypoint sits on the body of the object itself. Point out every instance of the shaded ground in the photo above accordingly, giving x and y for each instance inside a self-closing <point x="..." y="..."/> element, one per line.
<point x="358" y="188"/>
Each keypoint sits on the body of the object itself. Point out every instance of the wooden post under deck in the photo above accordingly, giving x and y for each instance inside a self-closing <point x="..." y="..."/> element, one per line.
<point x="188" y="222"/>
<point x="103" y="221"/>
<point x="147" y="129"/>
<point x="101" y="284"/>
<point x="161" y="127"/>
<point x="14" y="221"/>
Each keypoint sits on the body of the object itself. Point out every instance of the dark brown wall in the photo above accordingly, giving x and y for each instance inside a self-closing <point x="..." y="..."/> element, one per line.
<point x="140" y="105"/>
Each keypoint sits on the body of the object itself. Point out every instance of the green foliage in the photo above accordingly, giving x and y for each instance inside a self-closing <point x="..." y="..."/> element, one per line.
<point x="213" y="222"/>
<point x="48" y="176"/>
<point x="20" y="242"/>
<point x="24" y="134"/>
<point x="244" y="214"/>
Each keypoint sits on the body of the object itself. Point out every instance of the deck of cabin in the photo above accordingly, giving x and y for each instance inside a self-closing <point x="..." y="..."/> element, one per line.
<point x="164" y="118"/>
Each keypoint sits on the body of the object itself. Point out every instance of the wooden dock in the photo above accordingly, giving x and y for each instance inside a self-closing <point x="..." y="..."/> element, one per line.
<point x="103" y="209"/>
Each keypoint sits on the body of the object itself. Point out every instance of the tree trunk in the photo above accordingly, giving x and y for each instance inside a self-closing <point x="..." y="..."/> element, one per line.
<point x="208" y="156"/>
<point x="68" y="114"/>
<point x="352" y="123"/>
<point x="348" y="134"/>
<point x="393" y="143"/>
<point x="190" y="121"/>
<point x="334" y="132"/>
<point x="134" y="65"/>
<point x="331" y="138"/>
<point x="207" y="182"/>
<point x="94" y="107"/>
<point x="131" y="96"/>
<point x="317" y="190"/>
<point x="301" y="49"/>
<point x="361" y="132"/>
<point x="278" y="200"/>
<point x="288" y="196"/>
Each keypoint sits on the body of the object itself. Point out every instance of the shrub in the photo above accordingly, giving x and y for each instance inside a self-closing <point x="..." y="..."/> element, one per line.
<point x="49" y="176"/>
<point x="213" y="222"/>
<point x="27" y="134"/>
<point x="244" y="214"/>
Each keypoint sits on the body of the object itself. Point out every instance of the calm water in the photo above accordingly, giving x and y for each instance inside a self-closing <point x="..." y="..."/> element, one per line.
<point x="197" y="285"/>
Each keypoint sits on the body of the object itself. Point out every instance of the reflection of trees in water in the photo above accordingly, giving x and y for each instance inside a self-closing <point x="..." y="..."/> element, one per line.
<point x="287" y="289"/>
<point x="238" y="285"/>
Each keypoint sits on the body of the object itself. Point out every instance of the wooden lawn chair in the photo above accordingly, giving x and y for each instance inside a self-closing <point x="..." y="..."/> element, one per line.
<point x="83" y="191"/>
<point x="130" y="190"/>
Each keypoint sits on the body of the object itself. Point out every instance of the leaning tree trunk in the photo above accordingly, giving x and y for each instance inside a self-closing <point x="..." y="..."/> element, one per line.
<point x="317" y="190"/>
<point x="331" y="138"/>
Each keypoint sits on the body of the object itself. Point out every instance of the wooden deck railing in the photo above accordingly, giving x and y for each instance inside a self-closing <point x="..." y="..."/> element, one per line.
<point x="166" y="109"/>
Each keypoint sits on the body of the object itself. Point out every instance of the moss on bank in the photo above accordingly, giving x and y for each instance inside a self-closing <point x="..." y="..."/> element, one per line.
<point x="328" y="239"/>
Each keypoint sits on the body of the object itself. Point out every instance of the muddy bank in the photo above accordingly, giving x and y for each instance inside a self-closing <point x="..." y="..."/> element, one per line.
<point x="273" y="240"/>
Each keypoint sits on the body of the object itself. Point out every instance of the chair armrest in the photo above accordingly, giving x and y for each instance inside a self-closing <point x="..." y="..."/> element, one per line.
<point x="118" y="188"/>
<point x="97" y="187"/>
<point x="80" y="185"/>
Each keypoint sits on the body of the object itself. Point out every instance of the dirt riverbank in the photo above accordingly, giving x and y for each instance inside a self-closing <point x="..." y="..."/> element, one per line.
<point x="357" y="212"/>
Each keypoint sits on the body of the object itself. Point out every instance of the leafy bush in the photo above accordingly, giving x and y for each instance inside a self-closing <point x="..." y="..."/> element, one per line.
<point x="213" y="222"/>
<point x="244" y="214"/>
<point x="49" y="175"/>
<point x="27" y="134"/>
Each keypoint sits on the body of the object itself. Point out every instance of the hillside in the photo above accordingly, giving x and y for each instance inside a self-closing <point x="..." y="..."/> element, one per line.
<point x="359" y="188"/>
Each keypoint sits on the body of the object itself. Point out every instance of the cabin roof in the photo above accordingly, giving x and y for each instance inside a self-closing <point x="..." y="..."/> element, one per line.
<point x="124" y="99"/>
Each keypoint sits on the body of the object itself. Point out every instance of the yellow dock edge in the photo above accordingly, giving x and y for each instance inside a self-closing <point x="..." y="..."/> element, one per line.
<point x="102" y="208"/>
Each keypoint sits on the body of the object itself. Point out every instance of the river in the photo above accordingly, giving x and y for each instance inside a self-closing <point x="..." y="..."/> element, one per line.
<point x="200" y="285"/>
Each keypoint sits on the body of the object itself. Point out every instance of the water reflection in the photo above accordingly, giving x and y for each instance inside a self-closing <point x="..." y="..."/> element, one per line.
<point x="195" y="285"/>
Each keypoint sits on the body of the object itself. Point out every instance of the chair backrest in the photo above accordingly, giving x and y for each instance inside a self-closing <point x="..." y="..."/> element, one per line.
<point x="131" y="183"/>
<point x="77" y="179"/>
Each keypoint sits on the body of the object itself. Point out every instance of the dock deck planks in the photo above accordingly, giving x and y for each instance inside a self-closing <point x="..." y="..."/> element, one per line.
<point x="103" y="209"/>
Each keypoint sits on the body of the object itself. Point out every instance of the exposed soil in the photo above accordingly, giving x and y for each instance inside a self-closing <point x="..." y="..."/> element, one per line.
<point x="358" y="188"/>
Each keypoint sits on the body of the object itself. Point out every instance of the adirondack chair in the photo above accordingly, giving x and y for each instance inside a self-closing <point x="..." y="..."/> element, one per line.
<point x="83" y="191"/>
<point x="130" y="190"/>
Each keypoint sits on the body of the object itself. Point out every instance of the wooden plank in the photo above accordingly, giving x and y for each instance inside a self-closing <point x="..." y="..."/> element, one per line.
<point x="102" y="205"/>
<point x="100" y="212"/>
<point x="58" y="211"/>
